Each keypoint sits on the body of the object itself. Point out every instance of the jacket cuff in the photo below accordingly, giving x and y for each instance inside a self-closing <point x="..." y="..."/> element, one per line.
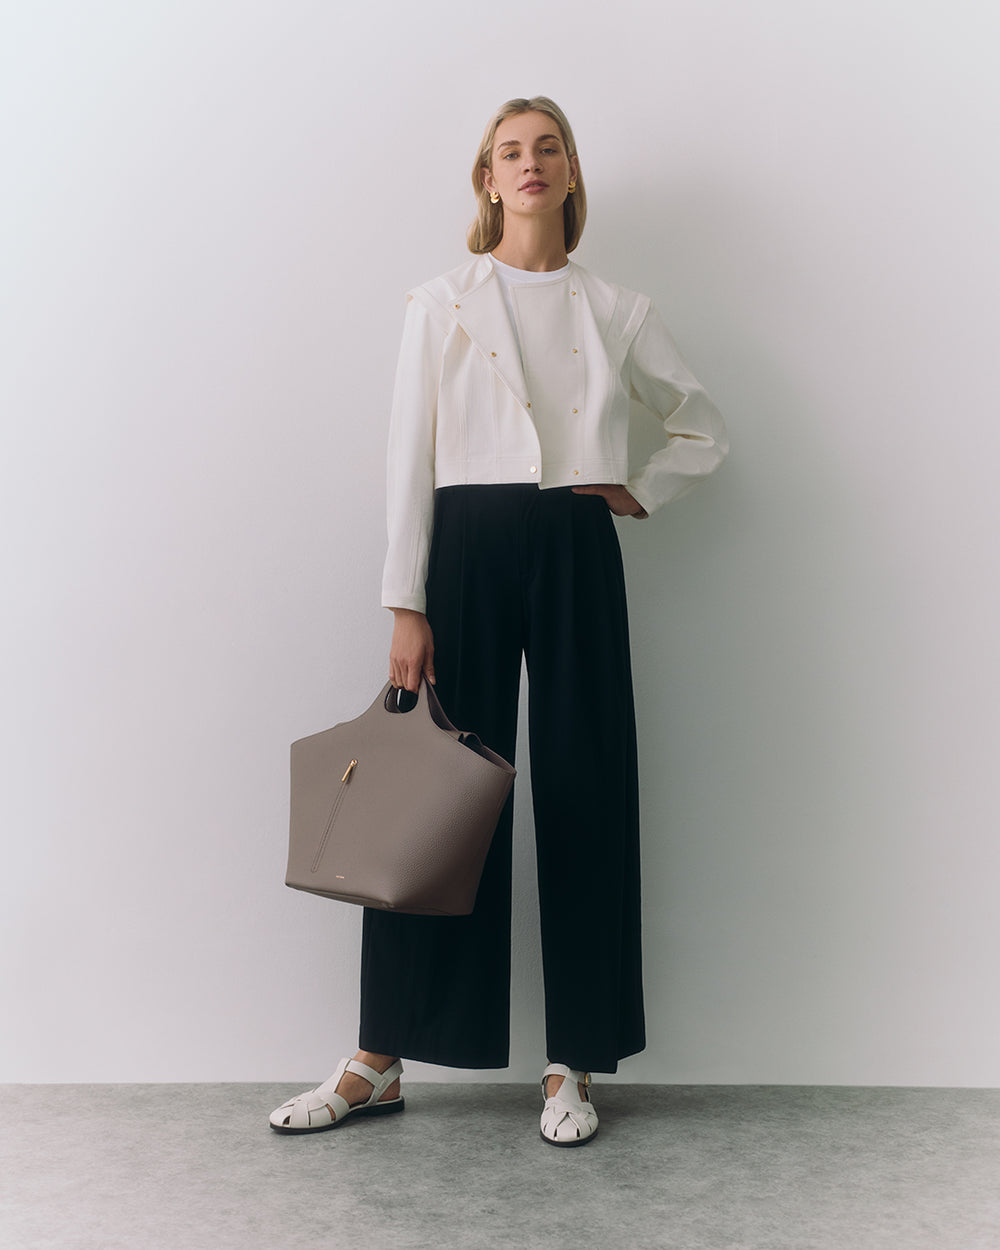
<point x="416" y="602"/>
<point x="643" y="498"/>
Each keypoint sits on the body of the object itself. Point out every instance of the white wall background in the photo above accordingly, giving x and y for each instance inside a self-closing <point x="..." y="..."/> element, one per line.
<point x="210" y="211"/>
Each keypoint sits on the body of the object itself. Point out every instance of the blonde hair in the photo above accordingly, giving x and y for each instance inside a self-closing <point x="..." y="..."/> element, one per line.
<point x="487" y="229"/>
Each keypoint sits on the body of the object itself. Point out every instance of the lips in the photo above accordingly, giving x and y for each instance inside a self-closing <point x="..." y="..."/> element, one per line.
<point x="535" y="184"/>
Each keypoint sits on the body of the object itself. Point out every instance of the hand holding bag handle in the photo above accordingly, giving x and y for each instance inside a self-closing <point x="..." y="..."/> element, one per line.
<point x="394" y="809"/>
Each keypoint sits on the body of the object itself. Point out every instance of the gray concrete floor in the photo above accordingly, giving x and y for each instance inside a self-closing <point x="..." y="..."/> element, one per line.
<point x="96" y="1167"/>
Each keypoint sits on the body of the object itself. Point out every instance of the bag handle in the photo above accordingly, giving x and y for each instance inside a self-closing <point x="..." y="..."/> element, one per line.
<point x="428" y="699"/>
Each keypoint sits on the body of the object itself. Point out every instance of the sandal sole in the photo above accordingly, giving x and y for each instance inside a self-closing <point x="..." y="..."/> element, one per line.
<point x="378" y="1108"/>
<point x="580" y="1141"/>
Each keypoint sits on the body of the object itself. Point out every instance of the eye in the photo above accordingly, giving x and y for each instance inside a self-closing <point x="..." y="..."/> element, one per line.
<point x="511" y="155"/>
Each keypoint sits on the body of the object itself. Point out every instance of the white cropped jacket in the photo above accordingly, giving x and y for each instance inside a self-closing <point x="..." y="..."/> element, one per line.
<point x="462" y="405"/>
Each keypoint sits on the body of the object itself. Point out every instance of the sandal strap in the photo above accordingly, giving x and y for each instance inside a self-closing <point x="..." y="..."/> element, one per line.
<point x="582" y="1113"/>
<point x="581" y="1117"/>
<point x="329" y="1086"/>
<point x="371" y="1075"/>
<point x="326" y="1094"/>
<point x="380" y="1081"/>
<point x="337" y="1104"/>
<point x="569" y="1075"/>
<point x="311" y="1108"/>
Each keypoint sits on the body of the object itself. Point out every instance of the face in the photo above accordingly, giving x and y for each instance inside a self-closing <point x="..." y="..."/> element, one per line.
<point x="531" y="167"/>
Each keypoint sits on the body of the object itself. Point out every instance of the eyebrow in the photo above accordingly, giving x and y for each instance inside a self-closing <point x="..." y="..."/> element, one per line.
<point x="514" y="143"/>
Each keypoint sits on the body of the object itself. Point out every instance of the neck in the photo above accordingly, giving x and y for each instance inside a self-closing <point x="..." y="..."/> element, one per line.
<point x="533" y="243"/>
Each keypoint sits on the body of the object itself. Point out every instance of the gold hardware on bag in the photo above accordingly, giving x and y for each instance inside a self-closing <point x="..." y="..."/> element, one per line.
<point x="350" y="769"/>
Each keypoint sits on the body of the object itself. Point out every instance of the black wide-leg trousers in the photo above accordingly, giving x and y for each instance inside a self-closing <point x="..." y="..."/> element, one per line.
<point x="516" y="569"/>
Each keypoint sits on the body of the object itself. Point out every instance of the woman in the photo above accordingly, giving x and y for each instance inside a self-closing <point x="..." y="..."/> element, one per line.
<point x="507" y="459"/>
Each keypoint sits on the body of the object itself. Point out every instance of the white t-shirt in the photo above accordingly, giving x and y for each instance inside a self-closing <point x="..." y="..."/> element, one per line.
<point x="509" y="276"/>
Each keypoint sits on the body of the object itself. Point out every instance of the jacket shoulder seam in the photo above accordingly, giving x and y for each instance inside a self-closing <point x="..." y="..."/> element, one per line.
<point x="439" y="314"/>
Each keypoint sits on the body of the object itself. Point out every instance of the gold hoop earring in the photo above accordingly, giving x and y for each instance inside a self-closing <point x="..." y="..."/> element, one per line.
<point x="494" y="197"/>
<point x="572" y="186"/>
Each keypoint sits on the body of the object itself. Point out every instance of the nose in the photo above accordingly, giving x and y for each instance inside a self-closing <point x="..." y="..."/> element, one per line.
<point x="531" y="164"/>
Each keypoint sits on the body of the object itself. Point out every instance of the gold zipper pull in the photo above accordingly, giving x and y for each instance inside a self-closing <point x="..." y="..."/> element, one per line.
<point x="350" y="769"/>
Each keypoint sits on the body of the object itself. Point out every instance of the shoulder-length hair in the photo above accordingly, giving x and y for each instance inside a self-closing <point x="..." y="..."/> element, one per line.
<point x="487" y="229"/>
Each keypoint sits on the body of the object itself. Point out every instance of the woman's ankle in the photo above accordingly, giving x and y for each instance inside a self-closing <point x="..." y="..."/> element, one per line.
<point x="381" y="1063"/>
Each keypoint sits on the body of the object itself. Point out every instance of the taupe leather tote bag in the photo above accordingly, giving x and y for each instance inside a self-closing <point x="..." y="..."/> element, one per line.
<point x="395" y="809"/>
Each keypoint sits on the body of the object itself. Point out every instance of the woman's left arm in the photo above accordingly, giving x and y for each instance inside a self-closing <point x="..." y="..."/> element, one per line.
<point x="696" y="436"/>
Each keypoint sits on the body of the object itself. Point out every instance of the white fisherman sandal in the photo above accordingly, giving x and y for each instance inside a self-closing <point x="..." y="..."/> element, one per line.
<point x="566" y="1119"/>
<point x="311" y="1112"/>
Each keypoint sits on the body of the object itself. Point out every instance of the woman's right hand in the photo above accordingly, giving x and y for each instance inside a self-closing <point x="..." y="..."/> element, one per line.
<point x="412" y="650"/>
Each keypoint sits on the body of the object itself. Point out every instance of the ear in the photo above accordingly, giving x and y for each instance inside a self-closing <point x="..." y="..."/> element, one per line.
<point x="574" y="168"/>
<point x="488" y="182"/>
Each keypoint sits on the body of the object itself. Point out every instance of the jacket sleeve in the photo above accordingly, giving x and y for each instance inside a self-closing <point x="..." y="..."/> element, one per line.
<point x="410" y="460"/>
<point x="696" y="436"/>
